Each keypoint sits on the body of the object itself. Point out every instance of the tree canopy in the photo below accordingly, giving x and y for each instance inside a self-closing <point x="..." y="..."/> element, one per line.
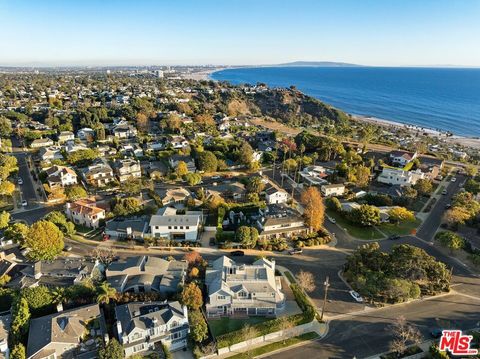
<point x="45" y="241"/>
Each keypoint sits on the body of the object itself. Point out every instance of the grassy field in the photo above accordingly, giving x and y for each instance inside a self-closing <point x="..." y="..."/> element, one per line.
<point x="226" y="325"/>
<point x="400" y="229"/>
<point x="353" y="230"/>
<point x="275" y="346"/>
<point x="290" y="277"/>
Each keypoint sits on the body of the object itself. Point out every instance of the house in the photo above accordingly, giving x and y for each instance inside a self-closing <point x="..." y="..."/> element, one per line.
<point x="5" y="322"/>
<point x="61" y="176"/>
<point x="85" y="134"/>
<point x="172" y="196"/>
<point x="126" y="228"/>
<point x="234" y="190"/>
<point x="142" y="274"/>
<point x="124" y="131"/>
<point x="397" y="176"/>
<point x="131" y="149"/>
<point x="64" y="136"/>
<point x="170" y="225"/>
<point x="274" y="195"/>
<point x="99" y="174"/>
<point x="85" y="212"/>
<point x="60" y="272"/>
<point x="401" y="158"/>
<point x="41" y="142"/>
<point x="279" y="221"/>
<point x="127" y="168"/>
<point x="73" y="333"/>
<point x="333" y="189"/>
<point x="178" y="142"/>
<point x="145" y="326"/>
<point x="50" y="153"/>
<point x="71" y="146"/>
<point x="314" y="175"/>
<point x="431" y="166"/>
<point x="242" y="289"/>
<point x="175" y="159"/>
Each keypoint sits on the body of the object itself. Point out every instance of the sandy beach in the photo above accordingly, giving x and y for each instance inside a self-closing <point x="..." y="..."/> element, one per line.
<point x="201" y="75"/>
<point x="472" y="142"/>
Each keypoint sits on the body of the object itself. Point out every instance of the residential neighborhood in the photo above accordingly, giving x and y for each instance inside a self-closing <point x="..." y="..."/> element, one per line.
<point x="169" y="216"/>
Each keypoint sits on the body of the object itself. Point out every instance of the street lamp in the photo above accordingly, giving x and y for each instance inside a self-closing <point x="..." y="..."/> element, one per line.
<point x="326" y="284"/>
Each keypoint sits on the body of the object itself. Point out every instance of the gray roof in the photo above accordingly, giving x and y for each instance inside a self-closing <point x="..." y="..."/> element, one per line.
<point x="64" y="327"/>
<point x="143" y="315"/>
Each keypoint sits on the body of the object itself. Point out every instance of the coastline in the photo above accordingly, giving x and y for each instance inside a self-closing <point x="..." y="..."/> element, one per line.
<point x="450" y="138"/>
<point x="203" y="75"/>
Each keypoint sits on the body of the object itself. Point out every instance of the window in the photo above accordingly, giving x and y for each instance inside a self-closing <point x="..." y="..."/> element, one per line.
<point x="175" y="227"/>
<point x="181" y="227"/>
<point x="176" y="335"/>
<point x="169" y="227"/>
<point x="242" y="294"/>
<point x="220" y="297"/>
<point x="138" y="348"/>
<point x="187" y="227"/>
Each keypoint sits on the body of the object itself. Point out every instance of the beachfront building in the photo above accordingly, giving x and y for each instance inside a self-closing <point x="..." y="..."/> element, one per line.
<point x="397" y="176"/>
<point x="146" y="326"/>
<point x="241" y="289"/>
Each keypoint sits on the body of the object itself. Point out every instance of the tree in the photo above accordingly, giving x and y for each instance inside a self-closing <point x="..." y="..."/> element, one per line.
<point x="45" y="241"/>
<point x="205" y="120"/>
<point x="16" y="232"/>
<point x="314" y="209"/>
<point x="471" y="170"/>
<point x="401" y="214"/>
<point x="362" y="176"/>
<point x="404" y="334"/>
<point x="5" y="127"/>
<point x="365" y="215"/>
<point x="247" y="333"/>
<point x="74" y="193"/>
<point x="82" y="157"/>
<point x="60" y="220"/>
<point x="39" y="299"/>
<point x="4" y="219"/>
<point x="113" y="350"/>
<point x="6" y="188"/>
<point x="245" y="154"/>
<point x="20" y="320"/>
<point x="18" y="352"/>
<point x="192" y="296"/>
<point x="142" y="122"/>
<point x="237" y="108"/>
<point x="105" y="293"/>
<point x="193" y="258"/>
<point x="248" y="236"/>
<point x="104" y="255"/>
<point x="181" y="169"/>
<point x="450" y="240"/>
<point x="198" y="325"/>
<point x="255" y="185"/>
<point x="207" y="161"/>
<point x="306" y="281"/>
<point x="126" y="206"/>
<point x="133" y="185"/>
<point x="455" y="216"/>
<point x="192" y="178"/>
<point x="334" y="204"/>
<point x="424" y="186"/>
<point x="173" y="122"/>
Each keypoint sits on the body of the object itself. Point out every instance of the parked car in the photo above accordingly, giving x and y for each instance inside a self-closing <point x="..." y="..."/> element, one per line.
<point x="296" y="251"/>
<point x="237" y="253"/>
<point x="211" y="241"/>
<point x="448" y="206"/>
<point x="444" y="191"/>
<point x="356" y="296"/>
<point x="20" y="181"/>
<point x="215" y="177"/>
<point x="332" y="220"/>
<point x="454" y="179"/>
<point x="24" y="203"/>
<point x="67" y="248"/>
<point x="394" y="237"/>
<point x="439" y="178"/>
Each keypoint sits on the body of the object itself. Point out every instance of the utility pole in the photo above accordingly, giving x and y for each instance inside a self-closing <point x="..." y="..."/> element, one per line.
<point x="326" y="285"/>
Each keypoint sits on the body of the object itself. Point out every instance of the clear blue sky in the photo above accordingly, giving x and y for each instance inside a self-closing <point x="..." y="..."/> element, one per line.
<point x="108" y="32"/>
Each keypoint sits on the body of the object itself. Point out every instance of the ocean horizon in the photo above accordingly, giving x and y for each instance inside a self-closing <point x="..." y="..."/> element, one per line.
<point x="443" y="99"/>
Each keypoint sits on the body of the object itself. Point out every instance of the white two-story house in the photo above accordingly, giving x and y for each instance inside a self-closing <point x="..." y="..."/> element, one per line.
<point x="241" y="289"/>
<point x="127" y="168"/>
<point x="276" y="196"/>
<point x="397" y="176"/>
<point x="142" y="326"/>
<point x="170" y="225"/>
<point x="61" y="176"/>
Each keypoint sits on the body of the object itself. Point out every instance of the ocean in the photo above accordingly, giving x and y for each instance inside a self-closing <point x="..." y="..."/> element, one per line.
<point x="446" y="99"/>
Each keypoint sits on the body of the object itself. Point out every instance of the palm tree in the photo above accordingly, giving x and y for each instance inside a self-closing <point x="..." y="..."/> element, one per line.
<point x="104" y="293"/>
<point x="58" y="295"/>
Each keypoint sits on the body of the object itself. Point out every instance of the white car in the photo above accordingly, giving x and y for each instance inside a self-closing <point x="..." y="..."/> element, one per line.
<point x="215" y="177"/>
<point x="356" y="296"/>
<point x="24" y="203"/>
<point x="20" y="181"/>
<point x="453" y="179"/>
<point x="332" y="220"/>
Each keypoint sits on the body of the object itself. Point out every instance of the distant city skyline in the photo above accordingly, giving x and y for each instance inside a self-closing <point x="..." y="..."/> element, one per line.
<point x="189" y="32"/>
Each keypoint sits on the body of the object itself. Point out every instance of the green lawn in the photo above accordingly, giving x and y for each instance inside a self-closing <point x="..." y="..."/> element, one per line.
<point x="353" y="230"/>
<point x="275" y="346"/>
<point x="290" y="277"/>
<point x="226" y="325"/>
<point x="400" y="229"/>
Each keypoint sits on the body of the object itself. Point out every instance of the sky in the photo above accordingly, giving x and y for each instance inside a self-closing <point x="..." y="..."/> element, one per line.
<point x="239" y="32"/>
